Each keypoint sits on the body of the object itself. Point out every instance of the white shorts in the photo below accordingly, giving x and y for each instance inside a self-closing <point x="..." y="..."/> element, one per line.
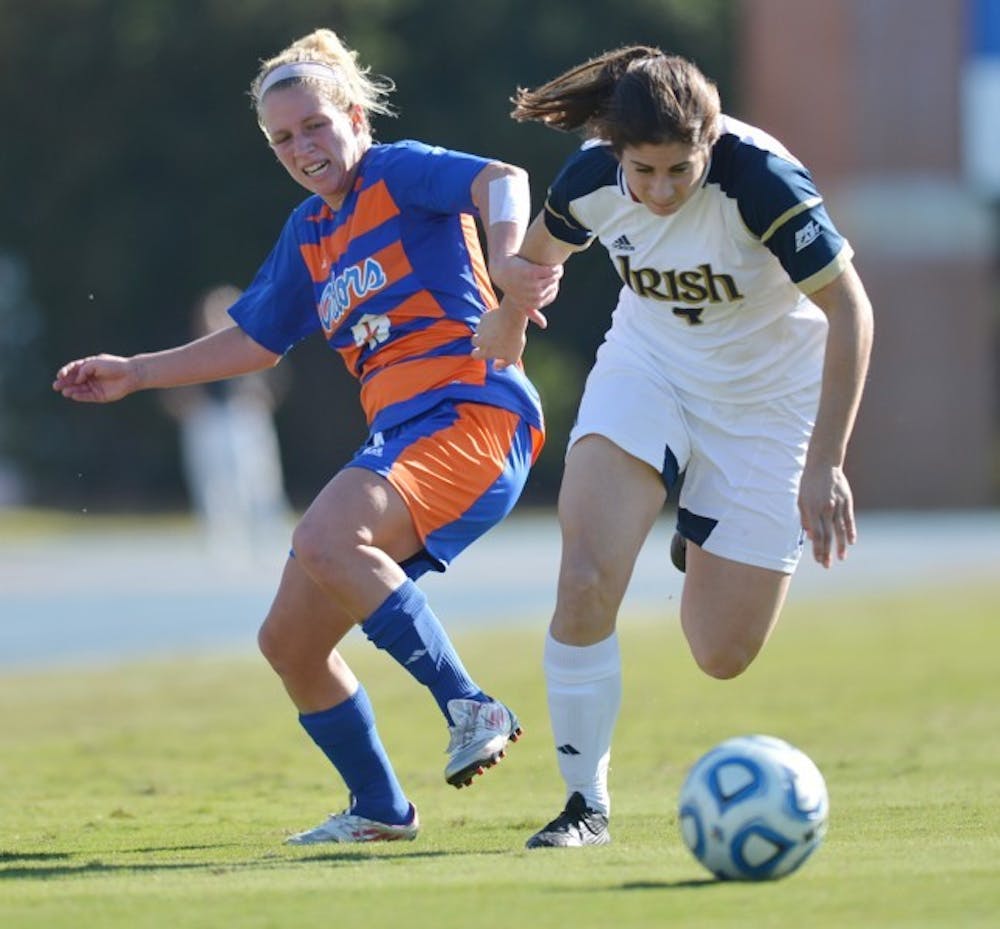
<point x="742" y="463"/>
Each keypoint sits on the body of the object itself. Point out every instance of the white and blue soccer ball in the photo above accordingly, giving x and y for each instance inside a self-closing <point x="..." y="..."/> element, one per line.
<point x="754" y="808"/>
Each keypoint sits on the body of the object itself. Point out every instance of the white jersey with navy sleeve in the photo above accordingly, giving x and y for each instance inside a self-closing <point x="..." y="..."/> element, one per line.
<point x="715" y="294"/>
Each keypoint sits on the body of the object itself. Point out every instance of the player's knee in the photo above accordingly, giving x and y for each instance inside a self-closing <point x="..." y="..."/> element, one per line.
<point x="723" y="641"/>
<point x="722" y="657"/>
<point x="585" y="594"/>
<point x="286" y="655"/>
<point x="307" y="545"/>
<point x="586" y="605"/>
<point x="318" y="554"/>
<point x="579" y="579"/>
<point x="270" y="646"/>
<point x="722" y="664"/>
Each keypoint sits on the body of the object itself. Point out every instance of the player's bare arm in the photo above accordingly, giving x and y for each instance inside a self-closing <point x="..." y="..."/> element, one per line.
<point x="501" y="334"/>
<point x="502" y="195"/>
<point x="825" y="500"/>
<point x="105" y="378"/>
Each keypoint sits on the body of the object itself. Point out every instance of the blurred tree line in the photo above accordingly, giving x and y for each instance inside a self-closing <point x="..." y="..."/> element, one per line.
<point x="135" y="177"/>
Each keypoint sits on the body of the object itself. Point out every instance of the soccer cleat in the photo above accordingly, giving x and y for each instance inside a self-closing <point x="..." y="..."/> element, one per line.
<point x="575" y="826"/>
<point x="345" y="827"/>
<point x="479" y="737"/>
<point x="678" y="552"/>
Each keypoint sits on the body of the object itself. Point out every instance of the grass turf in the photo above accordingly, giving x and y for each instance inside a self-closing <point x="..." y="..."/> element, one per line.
<point x="158" y="794"/>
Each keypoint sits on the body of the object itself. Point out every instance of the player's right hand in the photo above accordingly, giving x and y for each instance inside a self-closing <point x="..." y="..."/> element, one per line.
<point x="96" y="379"/>
<point x="526" y="285"/>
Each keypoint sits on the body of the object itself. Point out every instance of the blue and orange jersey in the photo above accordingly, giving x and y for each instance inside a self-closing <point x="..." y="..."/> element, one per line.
<point x="396" y="281"/>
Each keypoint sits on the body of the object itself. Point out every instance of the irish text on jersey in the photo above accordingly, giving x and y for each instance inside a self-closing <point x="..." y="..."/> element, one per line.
<point x="698" y="285"/>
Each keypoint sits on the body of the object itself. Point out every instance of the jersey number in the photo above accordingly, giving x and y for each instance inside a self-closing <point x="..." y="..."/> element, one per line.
<point x="691" y="313"/>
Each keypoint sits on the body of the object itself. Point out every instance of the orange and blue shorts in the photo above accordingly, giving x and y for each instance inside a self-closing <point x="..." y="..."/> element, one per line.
<point x="460" y="468"/>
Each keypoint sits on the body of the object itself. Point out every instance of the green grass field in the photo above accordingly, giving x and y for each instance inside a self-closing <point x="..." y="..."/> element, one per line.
<point x="158" y="794"/>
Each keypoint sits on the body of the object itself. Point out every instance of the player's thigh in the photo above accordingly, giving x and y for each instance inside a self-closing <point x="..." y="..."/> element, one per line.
<point x="625" y="449"/>
<point x="728" y="609"/>
<point x="358" y="507"/>
<point x="608" y="503"/>
<point x="304" y="623"/>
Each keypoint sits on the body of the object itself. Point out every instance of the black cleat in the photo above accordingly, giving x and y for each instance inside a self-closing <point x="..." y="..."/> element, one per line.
<point x="575" y="826"/>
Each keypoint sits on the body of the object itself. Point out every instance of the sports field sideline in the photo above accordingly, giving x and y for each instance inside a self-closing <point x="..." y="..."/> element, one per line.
<point x="83" y="590"/>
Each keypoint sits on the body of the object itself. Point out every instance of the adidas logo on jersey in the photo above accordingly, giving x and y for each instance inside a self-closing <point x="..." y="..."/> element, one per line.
<point x="806" y="235"/>
<point x="622" y="244"/>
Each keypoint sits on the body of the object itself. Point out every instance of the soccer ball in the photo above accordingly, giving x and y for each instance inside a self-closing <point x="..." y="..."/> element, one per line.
<point x="754" y="808"/>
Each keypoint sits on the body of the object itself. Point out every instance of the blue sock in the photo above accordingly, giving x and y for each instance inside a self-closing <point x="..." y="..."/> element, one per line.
<point x="406" y="627"/>
<point x="347" y="736"/>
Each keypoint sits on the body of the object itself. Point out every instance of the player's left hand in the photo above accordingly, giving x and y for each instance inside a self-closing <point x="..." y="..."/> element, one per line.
<point x="527" y="286"/>
<point x="826" y="506"/>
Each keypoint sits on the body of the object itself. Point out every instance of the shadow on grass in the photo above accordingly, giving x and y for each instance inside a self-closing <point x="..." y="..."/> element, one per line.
<point x="153" y="849"/>
<point x="271" y="861"/>
<point x="32" y="856"/>
<point x="360" y="855"/>
<point x="672" y="885"/>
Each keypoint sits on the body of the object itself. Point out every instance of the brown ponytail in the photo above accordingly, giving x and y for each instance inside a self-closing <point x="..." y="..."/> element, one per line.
<point x="631" y="96"/>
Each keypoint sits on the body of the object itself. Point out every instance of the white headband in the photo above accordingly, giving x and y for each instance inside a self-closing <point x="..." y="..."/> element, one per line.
<point x="294" y="69"/>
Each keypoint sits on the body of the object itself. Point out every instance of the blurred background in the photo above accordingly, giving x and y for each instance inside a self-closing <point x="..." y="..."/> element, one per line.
<point x="135" y="179"/>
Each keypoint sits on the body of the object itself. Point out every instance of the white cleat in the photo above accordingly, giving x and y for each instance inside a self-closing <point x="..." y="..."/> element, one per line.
<point x="479" y="738"/>
<point x="346" y="827"/>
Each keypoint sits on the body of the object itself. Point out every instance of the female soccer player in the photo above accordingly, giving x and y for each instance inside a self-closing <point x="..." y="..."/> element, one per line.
<point x="736" y="357"/>
<point x="384" y="258"/>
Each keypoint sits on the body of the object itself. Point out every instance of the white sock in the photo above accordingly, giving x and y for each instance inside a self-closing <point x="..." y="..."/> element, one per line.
<point x="585" y="693"/>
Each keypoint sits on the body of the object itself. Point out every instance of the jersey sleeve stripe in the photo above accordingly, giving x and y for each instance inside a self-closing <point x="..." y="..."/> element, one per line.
<point x="566" y="230"/>
<point x="789" y="214"/>
<point x="825" y="275"/>
<point x="568" y="220"/>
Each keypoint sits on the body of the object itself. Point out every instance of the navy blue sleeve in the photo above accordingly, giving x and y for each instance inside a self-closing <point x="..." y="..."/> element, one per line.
<point x="780" y="205"/>
<point x="586" y="170"/>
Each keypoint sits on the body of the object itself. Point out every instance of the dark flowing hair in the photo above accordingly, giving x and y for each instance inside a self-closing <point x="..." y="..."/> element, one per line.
<point x="631" y="96"/>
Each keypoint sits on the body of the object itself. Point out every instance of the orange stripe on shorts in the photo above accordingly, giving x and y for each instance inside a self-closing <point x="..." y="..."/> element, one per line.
<point x="442" y="475"/>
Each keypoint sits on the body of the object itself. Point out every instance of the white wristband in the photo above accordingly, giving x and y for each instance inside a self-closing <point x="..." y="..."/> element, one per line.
<point x="510" y="200"/>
